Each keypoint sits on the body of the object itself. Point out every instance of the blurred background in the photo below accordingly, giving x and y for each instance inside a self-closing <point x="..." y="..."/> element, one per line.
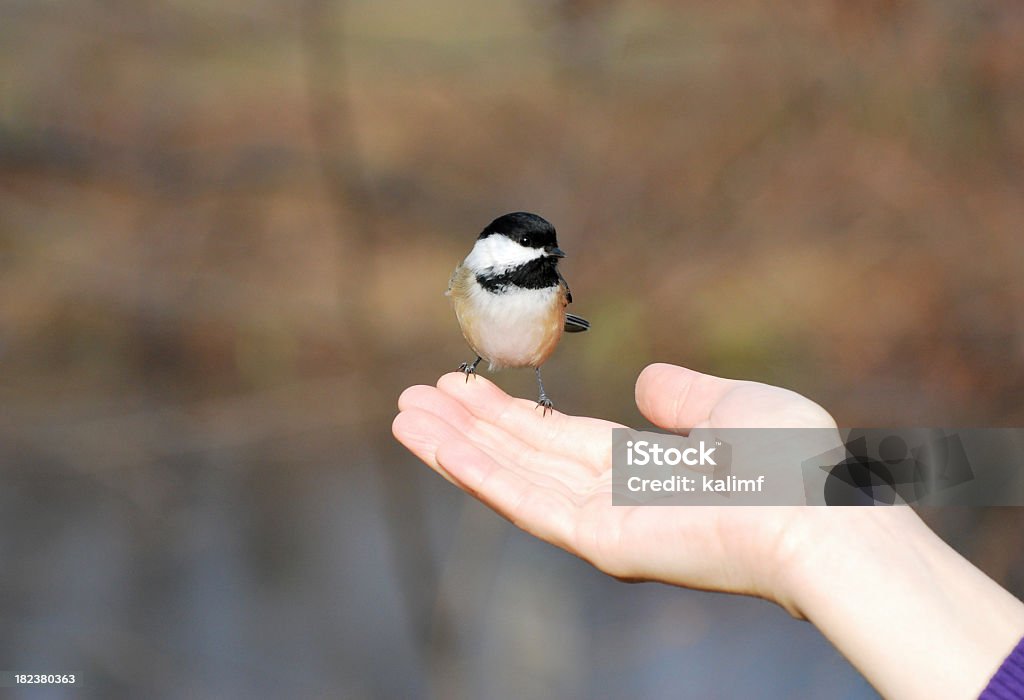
<point x="225" y="231"/>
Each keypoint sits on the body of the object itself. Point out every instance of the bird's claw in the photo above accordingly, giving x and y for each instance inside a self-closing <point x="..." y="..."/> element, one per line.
<point x="468" y="369"/>
<point x="545" y="403"/>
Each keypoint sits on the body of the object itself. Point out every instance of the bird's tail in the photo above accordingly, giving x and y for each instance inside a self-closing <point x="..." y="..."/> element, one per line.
<point x="575" y="324"/>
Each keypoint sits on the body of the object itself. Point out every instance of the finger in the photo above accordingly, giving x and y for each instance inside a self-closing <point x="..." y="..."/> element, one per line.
<point x="542" y="467"/>
<point x="587" y="440"/>
<point x="422" y="433"/>
<point x="440" y="404"/>
<point x="677" y="398"/>
<point x="500" y="445"/>
<point x="542" y="512"/>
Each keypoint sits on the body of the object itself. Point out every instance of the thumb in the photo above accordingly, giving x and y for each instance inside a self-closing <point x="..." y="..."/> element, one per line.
<point x="677" y="398"/>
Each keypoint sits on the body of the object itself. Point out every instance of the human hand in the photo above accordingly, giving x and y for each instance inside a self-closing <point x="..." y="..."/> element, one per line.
<point x="551" y="476"/>
<point x="875" y="581"/>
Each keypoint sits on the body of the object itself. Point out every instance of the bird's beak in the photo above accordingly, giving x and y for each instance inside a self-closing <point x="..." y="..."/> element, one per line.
<point x="555" y="252"/>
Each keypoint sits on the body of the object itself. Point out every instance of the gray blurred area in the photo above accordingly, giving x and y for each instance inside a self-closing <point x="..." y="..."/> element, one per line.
<point x="225" y="230"/>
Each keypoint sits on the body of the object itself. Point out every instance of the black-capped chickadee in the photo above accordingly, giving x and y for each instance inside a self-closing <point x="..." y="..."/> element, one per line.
<point x="510" y="298"/>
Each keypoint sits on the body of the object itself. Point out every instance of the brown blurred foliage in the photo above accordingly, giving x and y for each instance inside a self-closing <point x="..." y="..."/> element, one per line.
<point x="200" y="201"/>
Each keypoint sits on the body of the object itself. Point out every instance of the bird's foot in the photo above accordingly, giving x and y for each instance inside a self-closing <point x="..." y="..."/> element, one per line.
<point x="469" y="368"/>
<point x="545" y="403"/>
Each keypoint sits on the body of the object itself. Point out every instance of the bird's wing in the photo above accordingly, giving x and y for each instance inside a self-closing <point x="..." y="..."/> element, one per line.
<point x="568" y="294"/>
<point x="573" y="323"/>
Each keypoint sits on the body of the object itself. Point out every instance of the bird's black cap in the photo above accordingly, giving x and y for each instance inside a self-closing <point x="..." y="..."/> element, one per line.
<point x="523" y="227"/>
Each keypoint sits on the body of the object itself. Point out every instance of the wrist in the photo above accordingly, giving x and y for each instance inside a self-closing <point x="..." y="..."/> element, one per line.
<point x="826" y="546"/>
<point x="916" y="618"/>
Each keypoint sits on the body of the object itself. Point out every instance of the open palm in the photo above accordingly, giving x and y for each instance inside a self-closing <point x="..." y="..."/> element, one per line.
<point x="551" y="475"/>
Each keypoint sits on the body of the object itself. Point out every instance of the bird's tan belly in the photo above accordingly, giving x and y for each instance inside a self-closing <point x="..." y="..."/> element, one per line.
<point x="517" y="329"/>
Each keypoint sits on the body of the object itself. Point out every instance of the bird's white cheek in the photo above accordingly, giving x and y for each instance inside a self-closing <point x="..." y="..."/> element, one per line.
<point x="499" y="253"/>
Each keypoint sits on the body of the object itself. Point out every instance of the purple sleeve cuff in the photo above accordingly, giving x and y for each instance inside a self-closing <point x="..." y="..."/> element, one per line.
<point x="1008" y="683"/>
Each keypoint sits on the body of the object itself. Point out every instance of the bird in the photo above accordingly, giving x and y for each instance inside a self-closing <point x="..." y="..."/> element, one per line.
<point x="510" y="298"/>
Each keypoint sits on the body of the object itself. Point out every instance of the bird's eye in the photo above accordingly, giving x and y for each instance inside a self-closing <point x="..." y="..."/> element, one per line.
<point x="524" y="241"/>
